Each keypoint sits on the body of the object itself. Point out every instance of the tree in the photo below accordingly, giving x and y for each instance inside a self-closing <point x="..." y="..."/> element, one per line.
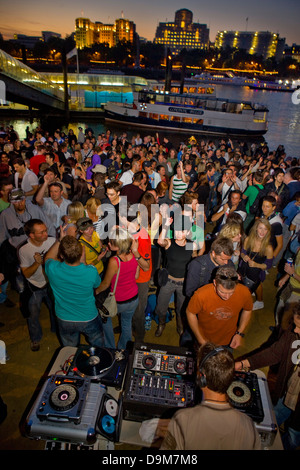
<point x="152" y="55"/>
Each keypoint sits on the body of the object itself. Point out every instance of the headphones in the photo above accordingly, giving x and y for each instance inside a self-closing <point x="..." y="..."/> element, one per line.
<point x="202" y="378"/>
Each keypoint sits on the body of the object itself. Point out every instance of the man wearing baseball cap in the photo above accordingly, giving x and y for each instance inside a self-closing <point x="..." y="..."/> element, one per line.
<point x="13" y="218"/>
<point x="12" y="234"/>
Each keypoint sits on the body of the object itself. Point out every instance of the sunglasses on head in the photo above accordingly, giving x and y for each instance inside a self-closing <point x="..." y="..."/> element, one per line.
<point x="86" y="224"/>
<point x="228" y="278"/>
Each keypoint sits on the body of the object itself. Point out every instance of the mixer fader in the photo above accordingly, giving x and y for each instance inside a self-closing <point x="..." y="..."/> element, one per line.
<point x="160" y="377"/>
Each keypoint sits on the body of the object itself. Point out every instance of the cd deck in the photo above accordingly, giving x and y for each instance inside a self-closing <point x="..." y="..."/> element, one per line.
<point x="63" y="399"/>
<point x="244" y="394"/>
<point x="66" y="409"/>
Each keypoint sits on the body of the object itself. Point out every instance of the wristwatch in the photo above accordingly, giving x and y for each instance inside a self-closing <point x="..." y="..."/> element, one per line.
<point x="239" y="333"/>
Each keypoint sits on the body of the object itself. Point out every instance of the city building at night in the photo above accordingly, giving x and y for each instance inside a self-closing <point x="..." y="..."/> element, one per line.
<point x="293" y="52"/>
<point x="88" y="33"/>
<point x="50" y="34"/>
<point x="261" y="43"/>
<point x="183" y="33"/>
<point x="28" y="41"/>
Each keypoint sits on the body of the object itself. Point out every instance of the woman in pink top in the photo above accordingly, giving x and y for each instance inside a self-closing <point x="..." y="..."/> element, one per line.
<point x="126" y="290"/>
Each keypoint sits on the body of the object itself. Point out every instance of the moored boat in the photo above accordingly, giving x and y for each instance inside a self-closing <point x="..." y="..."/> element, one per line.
<point x="272" y="86"/>
<point x="234" y="80"/>
<point x="201" y="113"/>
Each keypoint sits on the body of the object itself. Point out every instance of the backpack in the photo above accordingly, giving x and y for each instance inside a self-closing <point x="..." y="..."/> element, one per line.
<point x="256" y="206"/>
<point x="150" y="309"/>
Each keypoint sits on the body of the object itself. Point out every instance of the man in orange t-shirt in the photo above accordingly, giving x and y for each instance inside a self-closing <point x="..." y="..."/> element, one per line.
<point x="220" y="312"/>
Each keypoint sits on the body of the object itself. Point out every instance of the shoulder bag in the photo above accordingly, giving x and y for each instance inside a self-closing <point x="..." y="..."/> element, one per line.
<point x="109" y="307"/>
<point x="247" y="281"/>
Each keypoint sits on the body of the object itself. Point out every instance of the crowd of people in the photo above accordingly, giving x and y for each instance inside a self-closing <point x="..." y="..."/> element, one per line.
<point x="203" y="223"/>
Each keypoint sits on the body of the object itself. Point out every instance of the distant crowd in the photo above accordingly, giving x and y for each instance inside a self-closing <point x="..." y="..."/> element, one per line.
<point x="82" y="215"/>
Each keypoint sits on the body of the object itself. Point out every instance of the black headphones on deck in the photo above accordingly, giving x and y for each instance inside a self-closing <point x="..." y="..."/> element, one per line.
<point x="202" y="378"/>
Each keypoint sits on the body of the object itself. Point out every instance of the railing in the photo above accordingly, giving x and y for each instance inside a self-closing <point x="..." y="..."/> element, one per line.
<point x="15" y="69"/>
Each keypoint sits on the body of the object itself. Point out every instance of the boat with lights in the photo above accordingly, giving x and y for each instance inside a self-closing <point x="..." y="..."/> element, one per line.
<point x="280" y="85"/>
<point x="230" y="78"/>
<point x="226" y="78"/>
<point x="200" y="112"/>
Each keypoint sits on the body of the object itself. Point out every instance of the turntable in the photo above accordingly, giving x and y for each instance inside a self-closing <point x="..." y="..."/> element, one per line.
<point x="244" y="394"/>
<point x="104" y="365"/>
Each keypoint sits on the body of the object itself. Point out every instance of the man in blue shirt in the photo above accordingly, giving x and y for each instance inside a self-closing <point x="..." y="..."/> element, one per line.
<point x="73" y="285"/>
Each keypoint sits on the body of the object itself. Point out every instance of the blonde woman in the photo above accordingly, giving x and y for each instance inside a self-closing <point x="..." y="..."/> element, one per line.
<point x="75" y="212"/>
<point x="256" y="258"/>
<point x="93" y="209"/>
<point x="234" y="232"/>
<point x="126" y="294"/>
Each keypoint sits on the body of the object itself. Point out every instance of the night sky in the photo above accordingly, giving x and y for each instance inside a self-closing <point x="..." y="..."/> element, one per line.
<point x="31" y="17"/>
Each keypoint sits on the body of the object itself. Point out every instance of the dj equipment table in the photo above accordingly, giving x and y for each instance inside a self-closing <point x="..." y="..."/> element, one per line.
<point x="94" y="398"/>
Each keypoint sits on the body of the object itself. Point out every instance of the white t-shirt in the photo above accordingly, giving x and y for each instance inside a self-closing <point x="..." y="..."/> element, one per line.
<point x="127" y="177"/>
<point x="26" y="256"/>
<point x="28" y="181"/>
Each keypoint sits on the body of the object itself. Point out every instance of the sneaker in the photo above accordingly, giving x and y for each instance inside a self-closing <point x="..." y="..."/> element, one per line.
<point x="258" y="305"/>
<point x="35" y="346"/>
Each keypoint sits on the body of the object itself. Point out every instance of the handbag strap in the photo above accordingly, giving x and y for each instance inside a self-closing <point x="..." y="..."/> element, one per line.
<point x="226" y="194"/>
<point x="88" y="245"/>
<point x="248" y="252"/>
<point x="117" y="278"/>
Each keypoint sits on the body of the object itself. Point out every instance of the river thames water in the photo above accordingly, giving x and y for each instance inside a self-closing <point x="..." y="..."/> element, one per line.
<point x="283" y="119"/>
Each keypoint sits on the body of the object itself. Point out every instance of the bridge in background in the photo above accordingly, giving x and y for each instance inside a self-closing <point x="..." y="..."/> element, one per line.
<point x="23" y="85"/>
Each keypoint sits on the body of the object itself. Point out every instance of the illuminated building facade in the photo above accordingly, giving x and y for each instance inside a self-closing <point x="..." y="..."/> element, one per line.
<point x="183" y="33"/>
<point x="84" y="32"/>
<point x="261" y="43"/>
<point x="88" y="33"/>
<point x="125" y="30"/>
<point x="105" y="33"/>
<point x="293" y="52"/>
<point x="28" y="41"/>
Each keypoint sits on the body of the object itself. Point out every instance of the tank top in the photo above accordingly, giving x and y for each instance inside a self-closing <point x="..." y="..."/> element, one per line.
<point x="177" y="258"/>
<point x="254" y="273"/>
<point x="126" y="287"/>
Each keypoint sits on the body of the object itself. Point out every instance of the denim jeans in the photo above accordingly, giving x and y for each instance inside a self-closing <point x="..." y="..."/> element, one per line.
<point x="3" y="295"/>
<point x="34" y="307"/>
<point x="109" y="337"/>
<point x="126" y="312"/>
<point x="69" y="332"/>
<point x="291" y="438"/>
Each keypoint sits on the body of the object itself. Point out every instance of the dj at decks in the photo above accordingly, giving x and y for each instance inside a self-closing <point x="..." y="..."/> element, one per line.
<point x="213" y="424"/>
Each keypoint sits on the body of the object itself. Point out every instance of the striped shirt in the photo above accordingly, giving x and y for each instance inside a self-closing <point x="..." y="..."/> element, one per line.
<point x="179" y="188"/>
